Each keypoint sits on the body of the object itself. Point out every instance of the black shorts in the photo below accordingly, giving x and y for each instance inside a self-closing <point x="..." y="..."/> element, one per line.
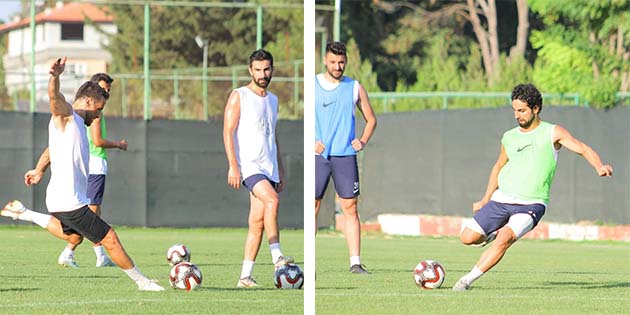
<point x="85" y="222"/>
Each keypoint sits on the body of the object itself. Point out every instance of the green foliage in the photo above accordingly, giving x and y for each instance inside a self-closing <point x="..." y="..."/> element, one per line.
<point x="452" y="63"/>
<point x="5" y="101"/>
<point x="231" y="35"/>
<point x="578" y="50"/>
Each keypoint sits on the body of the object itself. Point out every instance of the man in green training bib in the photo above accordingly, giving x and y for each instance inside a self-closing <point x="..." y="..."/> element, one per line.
<point x="518" y="189"/>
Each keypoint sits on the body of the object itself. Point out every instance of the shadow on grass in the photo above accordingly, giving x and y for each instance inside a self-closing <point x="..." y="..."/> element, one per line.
<point x="19" y="289"/>
<point x="589" y="285"/>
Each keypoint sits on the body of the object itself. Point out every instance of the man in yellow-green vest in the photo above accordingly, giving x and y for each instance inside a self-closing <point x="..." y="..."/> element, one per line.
<point x="518" y="189"/>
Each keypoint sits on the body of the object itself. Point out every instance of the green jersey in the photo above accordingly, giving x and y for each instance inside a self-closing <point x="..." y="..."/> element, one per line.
<point x="531" y="164"/>
<point x="94" y="150"/>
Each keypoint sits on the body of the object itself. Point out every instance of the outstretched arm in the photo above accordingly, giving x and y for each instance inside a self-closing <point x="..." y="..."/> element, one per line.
<point x="370" y="120"/>
<point x="230" y="122"/>
<point x="493" y="181"/>
<point x="58" y="105"/>
<point x="34" y="176"/>
<point x="99" y="141"/>
<point x="564" y="138"/>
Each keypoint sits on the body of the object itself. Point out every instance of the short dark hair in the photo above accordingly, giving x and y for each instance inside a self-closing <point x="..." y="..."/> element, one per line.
<point x="336" y="48"/>
<point x="529" y="94"/>
<point x="97" y="77"/>
<point x="260" y="55"/>
<point x="93" y="90"/>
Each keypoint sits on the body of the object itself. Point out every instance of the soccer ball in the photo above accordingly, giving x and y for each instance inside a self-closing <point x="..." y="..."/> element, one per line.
<point x="289" y="276"/>
<point x="185" y="276"/>
<point x="177" y="253"/>
<point x="429" y="274"/>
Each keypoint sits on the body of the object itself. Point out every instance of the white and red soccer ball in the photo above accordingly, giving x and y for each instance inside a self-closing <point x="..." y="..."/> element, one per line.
<point x="185" y="276"/>
<point x="429" y="274"/>
<point x="289" y="276"/>
<point x="177" y="253"/>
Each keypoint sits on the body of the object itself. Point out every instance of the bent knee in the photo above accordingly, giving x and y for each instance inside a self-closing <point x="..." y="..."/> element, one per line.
<point x="470" y="237"/>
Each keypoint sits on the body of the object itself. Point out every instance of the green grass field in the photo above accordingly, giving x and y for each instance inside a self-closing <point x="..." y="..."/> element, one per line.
<point x="33" y="283"/>
<point x="535" y="277"/>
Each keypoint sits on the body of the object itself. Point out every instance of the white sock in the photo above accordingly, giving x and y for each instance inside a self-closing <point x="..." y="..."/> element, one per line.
<point x="136" y="276"/>
<point x="35" y="217"/>
<point x="99" y="251"/>
<point x="473" y="275"/>
<point x="355" y="260"/>
<point x="248" y="268"/>
<point x="67" y="252"/>
<point x="276" y="252"/>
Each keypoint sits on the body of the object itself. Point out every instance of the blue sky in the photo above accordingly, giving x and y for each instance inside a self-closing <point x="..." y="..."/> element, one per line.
<point x="7" y="8"/>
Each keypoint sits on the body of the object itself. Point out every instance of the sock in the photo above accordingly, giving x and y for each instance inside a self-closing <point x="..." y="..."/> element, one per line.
<point x="67" y="252"/>
<point x="355" y="260"/>
<point x="99" y="251"/>
<point x="473" y="275"/>
<point x="136" y="276"/>
<point x="35" y="217"/>
<point x="248" y="268"/>
<point x="276" y="252"/>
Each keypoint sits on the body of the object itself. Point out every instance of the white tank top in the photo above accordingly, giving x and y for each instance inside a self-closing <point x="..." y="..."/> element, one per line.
<point x="69" y="162"/>
<point x="255" y="141"/>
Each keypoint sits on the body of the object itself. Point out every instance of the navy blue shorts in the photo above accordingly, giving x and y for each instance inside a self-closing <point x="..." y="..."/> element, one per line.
<point x="345" y="174"/>
<point x="495" y="215"/>
<point x="96" y="188"/>
<point x="251" y="181"/>
<point x="85" y="222"/>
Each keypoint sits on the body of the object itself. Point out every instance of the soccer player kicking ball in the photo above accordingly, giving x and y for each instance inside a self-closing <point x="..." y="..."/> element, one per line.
<point x="249" y="135"/>
<point x="66" y="195"/>
<point x="518" y="188"/>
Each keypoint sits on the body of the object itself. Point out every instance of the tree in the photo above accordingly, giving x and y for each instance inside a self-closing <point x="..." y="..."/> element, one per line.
<point x="482" y="15"/>
<point x="584" y="48"/>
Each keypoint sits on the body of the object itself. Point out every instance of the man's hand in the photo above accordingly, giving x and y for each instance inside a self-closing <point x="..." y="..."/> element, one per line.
<point x="234" y="177"/>
<point x="358" y="145"/>
<point x="319" y="147"/>
<point x="478" y="205"/>
<point x="57" y="68"/>
<point x="33" y="177"/>
<point x="605" y="170"/>
<point x="122" y="145"/>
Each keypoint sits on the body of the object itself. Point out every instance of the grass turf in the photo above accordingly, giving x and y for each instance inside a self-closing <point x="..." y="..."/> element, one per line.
<point x="534" y="277"/>
<point x="33" y="283"/>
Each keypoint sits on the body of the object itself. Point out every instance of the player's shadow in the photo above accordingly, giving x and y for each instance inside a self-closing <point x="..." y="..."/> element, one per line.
<point x="19" y="289"/>
<point x="589" y="285"/>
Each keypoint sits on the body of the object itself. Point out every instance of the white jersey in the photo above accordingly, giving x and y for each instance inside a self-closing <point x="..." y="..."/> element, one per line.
<point x="69" y="162"/>
<point x="255" y="141"/>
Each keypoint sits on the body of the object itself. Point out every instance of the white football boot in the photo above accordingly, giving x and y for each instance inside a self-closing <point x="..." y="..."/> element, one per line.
<point x="150" y="285"/>
<point x="13" y="209"/>
<point x="247" y="283"/>
<point x="104" y="261"/>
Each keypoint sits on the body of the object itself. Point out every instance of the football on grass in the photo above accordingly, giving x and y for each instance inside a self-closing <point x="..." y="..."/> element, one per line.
<point x="177" y="253"/>
<point x="429" y="274"/>
<point x="289" y="276"/>
<point x="185" y="276"/>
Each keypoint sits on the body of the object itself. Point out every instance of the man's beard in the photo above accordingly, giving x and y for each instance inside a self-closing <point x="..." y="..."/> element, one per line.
<point x="263" y="82"/>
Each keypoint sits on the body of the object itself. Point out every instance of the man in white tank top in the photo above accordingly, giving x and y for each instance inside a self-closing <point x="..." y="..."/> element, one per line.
<point x="66" y="195"/>
<point x="249" y="135"/>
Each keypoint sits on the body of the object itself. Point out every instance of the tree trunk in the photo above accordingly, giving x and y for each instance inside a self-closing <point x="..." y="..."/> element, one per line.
<point x="521" y="31"/>
<point x="483" y="38"/>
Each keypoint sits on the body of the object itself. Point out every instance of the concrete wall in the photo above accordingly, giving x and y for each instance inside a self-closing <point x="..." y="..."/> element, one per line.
<point x="173" y="174"/>
<point x="438" y="162"/>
